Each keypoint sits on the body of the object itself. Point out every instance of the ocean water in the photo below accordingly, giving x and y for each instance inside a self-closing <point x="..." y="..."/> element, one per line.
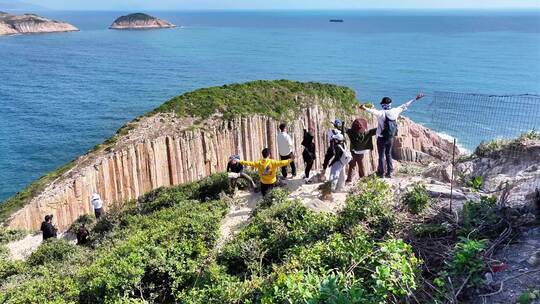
<point x="60" y="94"/>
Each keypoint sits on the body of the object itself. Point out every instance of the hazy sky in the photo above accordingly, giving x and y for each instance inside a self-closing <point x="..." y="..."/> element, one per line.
<point x="281" y="4"/>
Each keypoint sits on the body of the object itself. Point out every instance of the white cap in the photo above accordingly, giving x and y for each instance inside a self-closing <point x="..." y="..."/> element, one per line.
<point x="95" y="196"/>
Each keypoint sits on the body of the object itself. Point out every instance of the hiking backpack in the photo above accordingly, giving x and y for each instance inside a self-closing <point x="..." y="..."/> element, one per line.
<point x="390" y="128"/>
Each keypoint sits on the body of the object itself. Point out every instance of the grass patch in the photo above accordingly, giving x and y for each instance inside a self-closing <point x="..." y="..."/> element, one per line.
<point x="490" y="148"/>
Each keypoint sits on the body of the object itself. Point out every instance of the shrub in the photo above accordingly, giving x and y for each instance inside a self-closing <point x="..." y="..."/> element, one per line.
<point x="159" y="254"/>
<point x="468" y="261"/>
<point x="52" y="251"/>
<point x="417" y="198"/>
<point x="480" y="218"/>
<point x="474" y="182"/>
<point x="271" y="234"/>
<point x="10" y="235"/>
<point x="369" y="206"/>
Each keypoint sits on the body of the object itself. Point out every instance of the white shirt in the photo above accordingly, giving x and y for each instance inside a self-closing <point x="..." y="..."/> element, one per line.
<point x="392" y="114"/>
<point x="284" y="143"/>
<point x="97" y="203"/>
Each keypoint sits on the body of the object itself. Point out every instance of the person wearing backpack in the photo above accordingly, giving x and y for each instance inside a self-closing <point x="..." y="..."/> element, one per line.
<point x="361" y="144"/>
<point x="342" y="156"/>
<point x="387" y="129"/>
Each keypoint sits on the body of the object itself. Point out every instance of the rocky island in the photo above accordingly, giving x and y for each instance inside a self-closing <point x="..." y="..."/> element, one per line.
<point x="31" y="24"/>
<point x="140" y="21"/>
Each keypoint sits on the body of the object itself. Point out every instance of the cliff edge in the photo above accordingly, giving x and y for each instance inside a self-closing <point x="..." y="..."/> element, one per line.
<point x="31" y="24"/>
<point x="192" y="136"/>
<point x="139" y="21"/>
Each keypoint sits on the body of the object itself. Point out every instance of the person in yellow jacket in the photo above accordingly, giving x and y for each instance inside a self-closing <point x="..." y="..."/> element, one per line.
<point x="268" y="169"/>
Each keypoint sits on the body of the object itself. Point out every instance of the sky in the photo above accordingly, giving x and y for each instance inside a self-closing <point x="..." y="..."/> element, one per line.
<point x="282" y="4"/>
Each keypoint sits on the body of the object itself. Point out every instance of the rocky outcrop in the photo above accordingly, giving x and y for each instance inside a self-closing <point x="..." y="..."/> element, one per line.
<point x="516" y="168"/>
<point x="140" y="21"/>
<point x="164" y="150"/>
<point x="31" y="24"/>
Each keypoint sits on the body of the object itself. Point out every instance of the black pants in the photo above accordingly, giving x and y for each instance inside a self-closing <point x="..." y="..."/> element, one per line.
<point x="384" y="147"/>
<point x="265" y="188"/>
<point x="98" y="212"/>
<point x="284" y="169"/>
<point x="309" y="165"/>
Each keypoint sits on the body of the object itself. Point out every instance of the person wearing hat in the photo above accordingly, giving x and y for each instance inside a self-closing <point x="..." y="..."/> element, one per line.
<point x="268" y="169"/>
<point x="338" y="162"/>
<point x="47" y="228"/>
<point x="235" y="170"/>
<point x="97" y="205"/>
<point x="387" y="130"/>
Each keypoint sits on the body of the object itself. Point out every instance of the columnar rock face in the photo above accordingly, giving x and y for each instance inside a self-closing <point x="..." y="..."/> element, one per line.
<point x="140" y="21"/>
<point x="164" y="150"/>
<point x="30" y="23"/>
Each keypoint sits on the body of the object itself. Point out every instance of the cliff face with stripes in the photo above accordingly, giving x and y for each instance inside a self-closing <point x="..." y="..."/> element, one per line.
<point x="164" y="150"/>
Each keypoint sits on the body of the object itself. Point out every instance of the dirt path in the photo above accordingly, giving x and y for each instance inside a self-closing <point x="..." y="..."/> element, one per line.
<point x="20" y="250"/>
<point x="240" y="213"/>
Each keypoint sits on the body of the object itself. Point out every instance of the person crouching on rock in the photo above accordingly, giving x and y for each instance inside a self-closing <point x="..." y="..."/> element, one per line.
<point x="387" y="130"/>
<point x="268" y="169"/>
<point x="342" y="157"/>
<point x="97" y="204"/>
<point x="308" y="154"/>
<point x="235" y="170"/>
<point x="361" y="144"/>
<point x="48" y="229"/>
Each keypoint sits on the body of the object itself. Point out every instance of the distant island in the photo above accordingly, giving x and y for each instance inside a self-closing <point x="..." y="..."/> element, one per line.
<point x="31" y="24"/>
<point x="140" y="21"/>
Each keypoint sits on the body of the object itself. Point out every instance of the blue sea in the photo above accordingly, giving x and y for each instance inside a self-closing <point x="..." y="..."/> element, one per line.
<point x="60" y="94"/>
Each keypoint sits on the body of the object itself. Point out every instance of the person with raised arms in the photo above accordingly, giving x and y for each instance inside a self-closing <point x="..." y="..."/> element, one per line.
<point x="387" y="129"/>
<point x="268" y="169"/>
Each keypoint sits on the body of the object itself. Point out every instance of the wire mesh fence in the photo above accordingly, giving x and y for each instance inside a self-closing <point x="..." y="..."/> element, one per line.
<point x="480" y="118"/>
<point x="485" y="124"/>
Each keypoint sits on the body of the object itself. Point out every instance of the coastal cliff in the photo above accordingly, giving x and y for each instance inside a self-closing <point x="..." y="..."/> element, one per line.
<point x="140" y="21"/>
<point x="193" y="135"/>
<point x="31" y="24"/>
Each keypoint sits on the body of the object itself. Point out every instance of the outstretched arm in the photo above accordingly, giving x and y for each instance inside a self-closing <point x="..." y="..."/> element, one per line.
<point x="248" y="163"/>
<point x="370" y="110"/>
<point x="406" y="105"/>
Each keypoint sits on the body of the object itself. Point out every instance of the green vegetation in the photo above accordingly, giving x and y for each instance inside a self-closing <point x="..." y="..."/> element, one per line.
<point x="529" y="296"/>
<point x="279" y="99"/>
<point x="417" y="198"/>
<point x="490" y="148"/>
<point x="161" y="249"/>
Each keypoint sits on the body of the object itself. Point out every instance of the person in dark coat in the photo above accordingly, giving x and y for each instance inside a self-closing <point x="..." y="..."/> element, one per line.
<point x="48" y="229"/>
<point x="308" y="154"/>
<point x="361" y="145"/>
<point x="82" y="235"/>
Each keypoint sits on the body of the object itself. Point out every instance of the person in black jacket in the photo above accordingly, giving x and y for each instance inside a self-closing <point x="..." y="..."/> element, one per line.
<point x="361" y="144"/>
<point x="308" y="154"/>
<point x="82" y="235"/>
<point x="49" y="231"/>
<point x="236" y="171"/>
